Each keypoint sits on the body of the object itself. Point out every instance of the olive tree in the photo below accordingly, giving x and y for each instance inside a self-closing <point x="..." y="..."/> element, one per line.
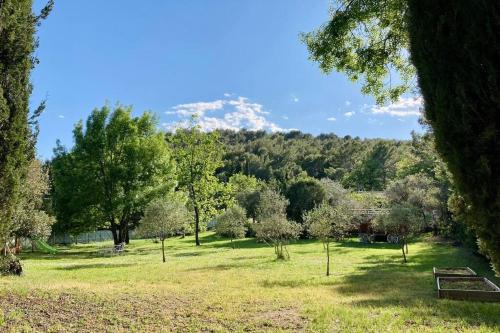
<point x="231" y="223"/>
<point x="328" y="224"/>
<point x="164" y="218"/>
<point x="419" y="192"/>
<point x="29" y="218"/>
<point x="403" y="220"/>
<point x="277" y="231"/>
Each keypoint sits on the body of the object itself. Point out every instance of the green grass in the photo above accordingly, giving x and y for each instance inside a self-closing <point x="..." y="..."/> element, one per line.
<point x="214" y="288"/>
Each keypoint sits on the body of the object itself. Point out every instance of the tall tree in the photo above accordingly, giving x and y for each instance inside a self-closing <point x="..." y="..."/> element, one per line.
<point x="373" y="171"/>
<point x="459" y="76"/>
<point x="17" y="43"/>
<point x="198" y="155"/>
<point x="453" y="45"/>
<point x="118" y="164"/>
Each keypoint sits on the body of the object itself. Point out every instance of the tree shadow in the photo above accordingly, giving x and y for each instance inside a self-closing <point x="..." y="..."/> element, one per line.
<point x="91" y="266"/>
<point x="384" y="283"/>
<point x="220" y="267"/>
<point x="360" y="245"/>
<point x="58" y="256"/>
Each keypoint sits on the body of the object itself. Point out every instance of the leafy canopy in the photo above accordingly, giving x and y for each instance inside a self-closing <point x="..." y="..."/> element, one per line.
<point x="118" y="164"/>
<point x="232" y="223"/>
<point x="164" y="217"/>
<point x="367" y="40"/>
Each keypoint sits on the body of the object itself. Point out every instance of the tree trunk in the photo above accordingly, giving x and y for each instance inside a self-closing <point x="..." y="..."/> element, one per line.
<point x="406" y="246"/>
<point x="127" y="238"/>
<point x="114" y="232"/>
<point x="404" y="255"/>
<point x="327" y="259"/>
<point x="122" y="231"/>
<point x="232" y="244"/>
<point x="197" y="225"/>
<point x="196" y="216"/>
<point x="163" y="248"/>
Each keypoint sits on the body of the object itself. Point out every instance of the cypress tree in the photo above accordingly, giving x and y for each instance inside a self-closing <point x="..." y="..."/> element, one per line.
<point x="455" y="47"/>
<point x="18" y="26"/>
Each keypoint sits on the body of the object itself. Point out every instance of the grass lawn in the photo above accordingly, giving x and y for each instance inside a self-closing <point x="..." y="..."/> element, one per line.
<point x="214" y="288"/>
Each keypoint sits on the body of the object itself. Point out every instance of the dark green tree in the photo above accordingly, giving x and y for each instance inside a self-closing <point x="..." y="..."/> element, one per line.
<point x="459" y="76"/>
<point x="373" y="171"/>
<point x="303" y="195"/>
<point x="18" y="26"/>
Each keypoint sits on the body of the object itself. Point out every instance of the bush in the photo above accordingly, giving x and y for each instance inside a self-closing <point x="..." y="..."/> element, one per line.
<point x="232" y="223"/>
<point x="10" y="265"/>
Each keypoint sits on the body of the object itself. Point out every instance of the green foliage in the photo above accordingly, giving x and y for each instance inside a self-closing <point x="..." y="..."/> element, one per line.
<point x="118" y="164"/>
<point x="328" y="224"/>
<point x="458" y="74"/>
<point x="303" y="195"/>
<point x="282" y="158"/>
<point x="416" y="190"/>
<point x="277" y="231"/>
<point x="403" y="220"/>
<point x="164" y="217"/>
<point x="198" y="155"/>
<point x="271" y="204"/>
<point x="458" y="227"/>
<point x="10" y="265"/>
<point x="232" y="223"/>
<point x="367" y="40"/>
<point x="373" y="170"/>
<point x="335" y="193"/>
<point x="29" y="218"/>
<point x="17" y="44"/>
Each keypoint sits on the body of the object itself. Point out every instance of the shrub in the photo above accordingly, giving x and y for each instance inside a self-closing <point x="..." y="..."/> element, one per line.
<point x="10" y="265"/>
<point x="232" y="223"/>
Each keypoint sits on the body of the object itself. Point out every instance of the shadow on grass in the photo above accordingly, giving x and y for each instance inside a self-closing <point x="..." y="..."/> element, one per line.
<point x="412" y="285"/>
<point x="91" y="266"/>
<point x="220" y="267"/>
<point x="59" y="255"/>
<point x="360" y="245"/>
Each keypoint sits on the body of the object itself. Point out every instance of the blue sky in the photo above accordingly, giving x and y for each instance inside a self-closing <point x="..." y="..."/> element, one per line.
<point x="234" y="63"/>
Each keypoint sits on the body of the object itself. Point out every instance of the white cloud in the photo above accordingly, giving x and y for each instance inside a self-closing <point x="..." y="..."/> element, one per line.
<point x="237" y="113"/>
<point x="284" y="117"/>
<point x="347" y="103"/>
<point x="404" y="107"/>
<point x="331" y="119"/>
<point x="349" y="114"/>
<point x="61" y="116"/>
<point x="294" y="98"/>
<point x="199" y="108"/>
<point x="228" y="94"/>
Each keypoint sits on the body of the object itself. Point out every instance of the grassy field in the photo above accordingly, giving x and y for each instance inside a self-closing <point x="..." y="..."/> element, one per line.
<point x="214" y="288"/>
